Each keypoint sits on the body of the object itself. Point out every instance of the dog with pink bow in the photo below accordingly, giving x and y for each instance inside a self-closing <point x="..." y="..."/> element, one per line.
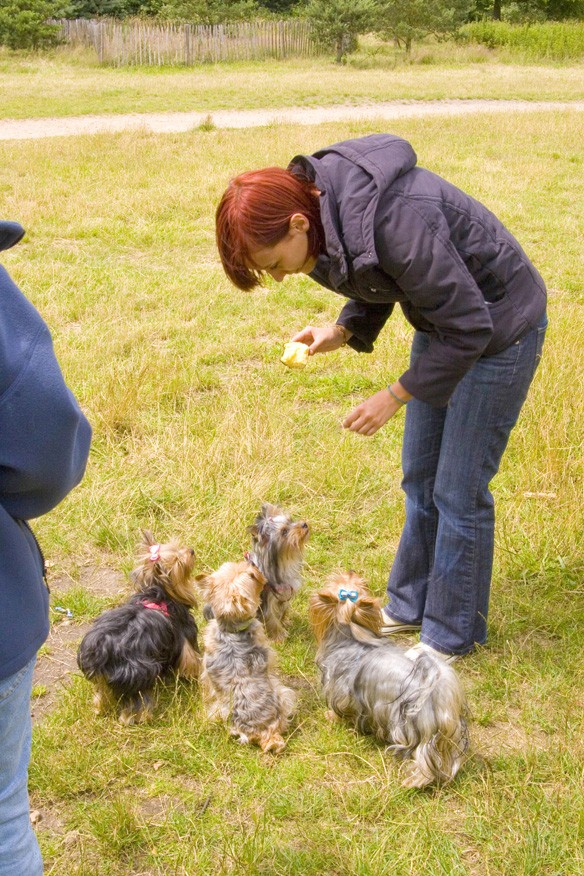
<point x="154" y="634"/>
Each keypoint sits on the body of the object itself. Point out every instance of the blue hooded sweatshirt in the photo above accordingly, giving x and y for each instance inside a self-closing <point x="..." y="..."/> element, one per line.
<point x="44" y="445"/>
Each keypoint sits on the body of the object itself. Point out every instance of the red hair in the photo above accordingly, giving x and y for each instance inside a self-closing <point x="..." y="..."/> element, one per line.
<point x="255" y="212"/>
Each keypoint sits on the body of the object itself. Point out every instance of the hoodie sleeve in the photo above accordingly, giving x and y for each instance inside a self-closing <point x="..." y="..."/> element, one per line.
<point x="415" y="249"/>
<point x="365" y="321"/>
<point x="44" y="436"/>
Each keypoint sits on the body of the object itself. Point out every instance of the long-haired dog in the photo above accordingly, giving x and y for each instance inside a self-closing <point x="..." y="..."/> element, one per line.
<point x="417" y="706"/>
<point x="130" y="647"/>
<point x="238" y="681"/>
<point x="277" y="550"/>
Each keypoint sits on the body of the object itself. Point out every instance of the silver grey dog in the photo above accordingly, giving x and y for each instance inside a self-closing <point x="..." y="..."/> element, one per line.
<point x="417" y="706"/>
<point x="238" y="681"/>
<point x="277" y="550"/>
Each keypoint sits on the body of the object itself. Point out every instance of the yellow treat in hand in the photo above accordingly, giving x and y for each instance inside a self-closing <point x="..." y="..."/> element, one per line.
<point x="295" y="355"/>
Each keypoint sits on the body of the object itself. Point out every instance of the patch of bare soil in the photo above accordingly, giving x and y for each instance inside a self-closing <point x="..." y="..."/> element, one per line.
<point x="58" y="660"/>
<point x="504" y="737"/>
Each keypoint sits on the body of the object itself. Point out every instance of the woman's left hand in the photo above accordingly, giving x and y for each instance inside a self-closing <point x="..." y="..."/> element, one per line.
<point x="372" y="414"/>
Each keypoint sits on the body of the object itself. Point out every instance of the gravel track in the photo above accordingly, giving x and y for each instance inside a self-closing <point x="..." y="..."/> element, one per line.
<point x="166" y="123"/>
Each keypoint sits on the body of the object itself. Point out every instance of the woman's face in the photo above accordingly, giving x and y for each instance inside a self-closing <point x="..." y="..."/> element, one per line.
<point x="290" y="255"/>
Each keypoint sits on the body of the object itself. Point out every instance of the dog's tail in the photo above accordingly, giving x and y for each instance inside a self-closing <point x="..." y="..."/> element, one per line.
<point x="432" y="732"/>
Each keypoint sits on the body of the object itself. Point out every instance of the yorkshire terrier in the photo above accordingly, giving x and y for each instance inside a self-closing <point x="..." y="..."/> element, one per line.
<point x="277" y="550"/>
<point x="417" y="706"/>
<point x="238" y="681"/>
<point x="130" y="647"/>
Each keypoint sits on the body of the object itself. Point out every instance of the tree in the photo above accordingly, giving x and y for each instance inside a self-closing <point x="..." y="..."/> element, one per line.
<point x="336" y="24"/>
<point x="407" y="20"/>
<point x="527" y="10"/>
<point x="26" y="24"/>
<point x="205" y="11"/>
<point x="104" y="8"/>
<point x="279" y="7"/>
<point x="193" y="11"/>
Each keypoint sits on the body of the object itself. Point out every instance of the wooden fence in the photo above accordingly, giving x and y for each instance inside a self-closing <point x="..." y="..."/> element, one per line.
<point x="123" y="43"/>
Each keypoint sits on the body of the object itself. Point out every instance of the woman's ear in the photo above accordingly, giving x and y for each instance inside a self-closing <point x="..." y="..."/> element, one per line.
<point x="299" y="223"/>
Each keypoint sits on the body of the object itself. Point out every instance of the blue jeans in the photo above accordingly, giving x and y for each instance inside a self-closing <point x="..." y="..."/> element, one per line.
<point x="441" y="576"/>
<point x="19" y="851"/>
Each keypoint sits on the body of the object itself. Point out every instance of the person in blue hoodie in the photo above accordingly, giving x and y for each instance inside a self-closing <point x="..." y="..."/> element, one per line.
<point x="44" y="445"/>
<point x="363" y="220"/>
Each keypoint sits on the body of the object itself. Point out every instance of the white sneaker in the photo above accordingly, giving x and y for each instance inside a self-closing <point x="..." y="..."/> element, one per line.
<point x="422" y="648"/>
<point x="389" y="625"/>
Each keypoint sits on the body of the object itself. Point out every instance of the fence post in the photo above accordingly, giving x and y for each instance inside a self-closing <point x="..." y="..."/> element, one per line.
<point x="187" y="44"/>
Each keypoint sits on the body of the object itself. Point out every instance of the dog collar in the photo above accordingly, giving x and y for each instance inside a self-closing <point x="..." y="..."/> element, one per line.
<point x="156" y="606"/>
<point x="238" y="628"/>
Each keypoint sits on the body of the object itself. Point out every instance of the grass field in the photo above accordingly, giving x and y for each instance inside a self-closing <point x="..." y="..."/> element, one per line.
<point x="196" y="423"/>
<point x="54" y="86"/>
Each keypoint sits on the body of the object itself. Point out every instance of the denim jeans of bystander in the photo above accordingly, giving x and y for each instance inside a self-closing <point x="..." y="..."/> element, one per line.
<point x="19" y="851"/>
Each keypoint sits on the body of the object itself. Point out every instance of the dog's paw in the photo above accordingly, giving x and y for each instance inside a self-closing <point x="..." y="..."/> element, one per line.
<point x="332" y="716"/>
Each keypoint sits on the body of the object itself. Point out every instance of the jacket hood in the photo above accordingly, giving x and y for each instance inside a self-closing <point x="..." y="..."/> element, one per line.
<point x="10" y="234"/>
<point x="351" y="177"/>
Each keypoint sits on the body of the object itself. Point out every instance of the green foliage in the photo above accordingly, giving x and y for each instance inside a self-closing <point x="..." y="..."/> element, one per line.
<point x="336" y="24"/>
<point x="25" y="24"/>
<point x="206" y="11"/>
<point x="552" y="41"/>
<point x="280" y="7"/>
<point x="407" y="20"/>
<point x="520" y="11"/>
<point x="194" y="11"/>
<point x="104" y="8"/>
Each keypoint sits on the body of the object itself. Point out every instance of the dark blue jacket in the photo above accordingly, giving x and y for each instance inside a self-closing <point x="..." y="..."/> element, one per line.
<point x="44" y="444"/>
<point x="396" y="233"/>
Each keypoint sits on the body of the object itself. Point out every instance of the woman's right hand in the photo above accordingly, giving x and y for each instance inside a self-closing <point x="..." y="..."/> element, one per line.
<point x="323" y="339"/>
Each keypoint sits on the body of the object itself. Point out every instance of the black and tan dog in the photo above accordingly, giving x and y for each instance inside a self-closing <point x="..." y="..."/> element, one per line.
<point x="130" y="647"/>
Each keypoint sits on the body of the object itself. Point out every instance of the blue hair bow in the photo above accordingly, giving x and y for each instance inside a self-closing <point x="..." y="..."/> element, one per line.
<point x="351" y="595"/>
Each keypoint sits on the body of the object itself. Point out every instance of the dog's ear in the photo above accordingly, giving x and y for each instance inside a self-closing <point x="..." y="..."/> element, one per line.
<point x="368" y="614"/>
<point x="203" y="581"/>
<point x="322" y="612"/>
<point x="326" y="597"/>
<point x="257" y="574"/>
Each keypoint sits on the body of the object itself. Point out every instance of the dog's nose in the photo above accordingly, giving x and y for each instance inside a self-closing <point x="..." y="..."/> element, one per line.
<point x="191" y="551"/>
<point x="304" y="525"/>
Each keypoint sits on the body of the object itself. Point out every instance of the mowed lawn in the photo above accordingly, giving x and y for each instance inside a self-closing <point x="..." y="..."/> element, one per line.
<point x="196" y="423"/>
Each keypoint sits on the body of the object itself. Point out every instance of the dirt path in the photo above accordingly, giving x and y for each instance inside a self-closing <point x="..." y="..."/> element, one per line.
<point x="165" y="123"/>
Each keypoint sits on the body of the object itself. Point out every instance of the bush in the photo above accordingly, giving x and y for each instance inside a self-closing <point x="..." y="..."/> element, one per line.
<point x="552" y="41"/>
<point x="26" y="24"/>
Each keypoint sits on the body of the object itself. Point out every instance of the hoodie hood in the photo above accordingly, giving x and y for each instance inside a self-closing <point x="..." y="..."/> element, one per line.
<point x="351" y="177"/>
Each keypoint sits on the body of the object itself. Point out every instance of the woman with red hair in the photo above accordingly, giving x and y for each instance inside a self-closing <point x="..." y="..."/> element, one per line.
<point x="362" y="219"/>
